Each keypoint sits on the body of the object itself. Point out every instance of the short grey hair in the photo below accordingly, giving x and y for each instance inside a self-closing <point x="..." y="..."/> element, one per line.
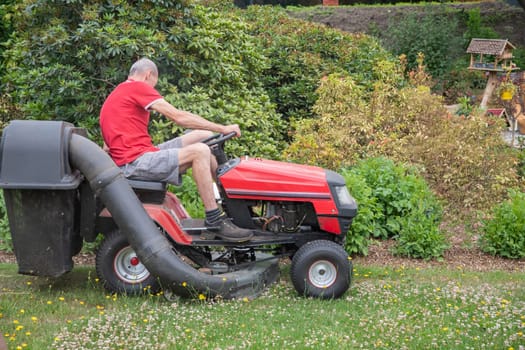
<point x="143" y="65"/>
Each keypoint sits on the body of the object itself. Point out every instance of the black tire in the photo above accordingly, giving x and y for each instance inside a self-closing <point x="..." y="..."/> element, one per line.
<point x="321" y="269"/>
<point x="119" y="269"/>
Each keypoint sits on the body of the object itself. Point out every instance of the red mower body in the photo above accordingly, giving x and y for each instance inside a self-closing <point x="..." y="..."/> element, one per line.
<point x="268" y="180"/>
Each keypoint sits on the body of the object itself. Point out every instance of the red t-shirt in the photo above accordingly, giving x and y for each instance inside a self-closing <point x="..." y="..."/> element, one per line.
<point x="124" y="120"/>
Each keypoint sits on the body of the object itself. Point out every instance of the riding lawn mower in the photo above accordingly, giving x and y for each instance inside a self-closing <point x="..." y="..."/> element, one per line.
<point x="61" y="190"/>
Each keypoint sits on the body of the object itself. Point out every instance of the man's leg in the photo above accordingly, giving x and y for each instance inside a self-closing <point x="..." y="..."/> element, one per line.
<point x="195" y="136"/>
<point x="197" y="156"/>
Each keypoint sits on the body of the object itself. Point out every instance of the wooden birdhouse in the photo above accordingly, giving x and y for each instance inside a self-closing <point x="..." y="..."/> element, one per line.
<point x="491" y="55"/>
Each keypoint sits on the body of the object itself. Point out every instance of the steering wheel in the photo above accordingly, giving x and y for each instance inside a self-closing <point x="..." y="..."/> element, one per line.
<point x="218" y="139"/>
<point x="216" y="144"/>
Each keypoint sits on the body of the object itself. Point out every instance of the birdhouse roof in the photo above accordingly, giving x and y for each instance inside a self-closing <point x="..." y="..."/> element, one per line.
<point x="489" y="46"/>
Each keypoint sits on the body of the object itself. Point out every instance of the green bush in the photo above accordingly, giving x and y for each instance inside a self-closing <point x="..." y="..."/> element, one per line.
<point x="66" y="56"/>
<point x="434" y="33"/>
<point x="354" y="123"/>
<point x="367" y="221"/>
<point x="464" y="159"/>
<point x="504" y="232"/>
<point x="300" y="53"/>
<point x="394" y="202"/>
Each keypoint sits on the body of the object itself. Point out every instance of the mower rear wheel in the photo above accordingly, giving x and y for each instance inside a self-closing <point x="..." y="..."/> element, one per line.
<point x="120" y="270"/>
<point x="321" y="269"/>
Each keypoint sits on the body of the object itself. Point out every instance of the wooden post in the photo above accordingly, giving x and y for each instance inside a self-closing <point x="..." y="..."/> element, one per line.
<point x="491" y="84"/>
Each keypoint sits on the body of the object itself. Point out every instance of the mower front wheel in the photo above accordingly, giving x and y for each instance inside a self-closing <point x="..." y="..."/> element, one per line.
<point x="321" y="269"/>
<point x="119" y="268"/>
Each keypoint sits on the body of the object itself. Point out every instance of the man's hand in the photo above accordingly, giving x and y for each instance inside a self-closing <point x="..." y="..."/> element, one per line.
<point x="232" y="128"/>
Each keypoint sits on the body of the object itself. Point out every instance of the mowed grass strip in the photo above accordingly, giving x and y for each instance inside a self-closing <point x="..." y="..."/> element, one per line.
<point x="386" y="308"/>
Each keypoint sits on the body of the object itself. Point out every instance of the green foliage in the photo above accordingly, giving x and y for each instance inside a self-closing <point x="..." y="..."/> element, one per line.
<point x="394" y="201"/>
<point x="503" y="232"/>
<point x="367" y="221"/>
<point x="434" y="33"/>
<point x="476" y="28"/>
<point x="189" y="196"/>
<point x="465" y="106"/>
<point x="301" y="53"/>
<point x="355" y="124"/>
<point x="466" y="161"/>
<point x="64" y="61"/>
<point x="459" y="82"/>
<point x="6" y="243"/>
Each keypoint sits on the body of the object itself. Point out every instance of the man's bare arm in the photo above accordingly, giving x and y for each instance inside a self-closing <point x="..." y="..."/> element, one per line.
<point x="189" y="120"/>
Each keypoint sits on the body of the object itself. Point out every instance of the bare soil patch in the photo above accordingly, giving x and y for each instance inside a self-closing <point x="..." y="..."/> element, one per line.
<point x="507" y="20"/>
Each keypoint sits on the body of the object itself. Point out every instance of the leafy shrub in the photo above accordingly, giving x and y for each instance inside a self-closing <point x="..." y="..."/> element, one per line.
<point x="504" y="231"/>
<point x="68" y="55"/>
<point x="367" y="221"/>
<point x="434" y="33"/>
<point x="466" y="160"/>
<point x="300" y="53"/>
<point x="394" y="202"/>
<point x="420" y="236"/>
<point x="355" y="124"/>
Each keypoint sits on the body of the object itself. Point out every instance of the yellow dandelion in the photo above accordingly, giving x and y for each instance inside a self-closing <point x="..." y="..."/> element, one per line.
<point x="81" y="302"/>
<point x="184" y="284"/>
<point x="202" y="297"/>
<point x="16" y="322"/>
<point x="61" y="298"/>
<point x="245" y="299"/>
<point x="97" y="280"/>
<point x="28" y="333"/>
<point x="224" y="279"/>
<point x="22" y="311"/>
<point x="34" y="318"/>
<point x="99" y="307"/>
<point x="28" y="283"/>
<point x="145" y="320"/>
<point x="101" y="313"/>
<point x="1" y="315"/>
<point x="49" y="302"/>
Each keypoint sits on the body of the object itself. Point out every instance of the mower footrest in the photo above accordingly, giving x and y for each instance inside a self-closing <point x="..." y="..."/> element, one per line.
<point x="193" y="226"/>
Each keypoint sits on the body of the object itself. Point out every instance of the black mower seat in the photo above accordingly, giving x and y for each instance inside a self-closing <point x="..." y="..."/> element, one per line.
<point x="149" y="191"/>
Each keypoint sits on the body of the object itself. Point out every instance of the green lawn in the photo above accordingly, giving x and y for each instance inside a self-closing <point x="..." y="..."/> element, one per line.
<point x="384" y="309"/>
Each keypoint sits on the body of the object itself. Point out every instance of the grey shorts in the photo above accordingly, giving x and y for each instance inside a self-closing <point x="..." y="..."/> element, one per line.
<point x="162" y="165"/>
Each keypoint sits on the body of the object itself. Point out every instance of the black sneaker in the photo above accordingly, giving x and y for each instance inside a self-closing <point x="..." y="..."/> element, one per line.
<point x="227" y="230"/>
